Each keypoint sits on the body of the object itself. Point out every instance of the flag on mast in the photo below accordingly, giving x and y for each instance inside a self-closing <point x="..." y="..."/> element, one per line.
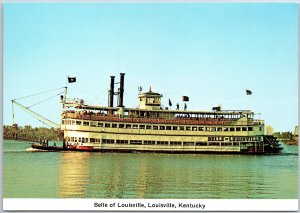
<point x="170" y="103"/>
<point x="248" y="92"/>
<point x="185" y="98"/>
<point x="71" y="79"/>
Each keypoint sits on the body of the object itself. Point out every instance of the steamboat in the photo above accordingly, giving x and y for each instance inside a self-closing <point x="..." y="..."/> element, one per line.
<point x="152" y="128"/>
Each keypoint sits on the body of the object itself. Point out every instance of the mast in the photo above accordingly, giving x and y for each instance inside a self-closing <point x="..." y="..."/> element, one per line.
<point x="36" y="115"/>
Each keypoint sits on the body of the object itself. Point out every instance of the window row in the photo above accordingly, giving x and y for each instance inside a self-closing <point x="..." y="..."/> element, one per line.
<point x="157" y="127"/>
<point x="147" y="142"/>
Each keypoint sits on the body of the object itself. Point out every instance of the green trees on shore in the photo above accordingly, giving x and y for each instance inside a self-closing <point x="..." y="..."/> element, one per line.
<point x="31" y="134"/>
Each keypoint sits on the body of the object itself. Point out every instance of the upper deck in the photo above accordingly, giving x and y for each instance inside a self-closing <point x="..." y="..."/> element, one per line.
<point x="135" y="115"/>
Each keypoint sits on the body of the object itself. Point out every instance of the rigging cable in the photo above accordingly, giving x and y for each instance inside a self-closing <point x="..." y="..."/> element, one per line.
<point x="45" y="100"/>
<point x="39" y="93"/>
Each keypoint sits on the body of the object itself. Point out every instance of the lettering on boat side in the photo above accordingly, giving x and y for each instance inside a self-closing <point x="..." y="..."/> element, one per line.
<point x="149" y="205"/>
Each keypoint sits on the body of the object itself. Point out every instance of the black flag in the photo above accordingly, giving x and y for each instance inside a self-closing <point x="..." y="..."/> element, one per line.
<point x="185" y="98"/>
<point x="185" y="107"/>
<point x="248" y="92"/>
<point x="170" y="103"/>
<point x="71" y="79"/>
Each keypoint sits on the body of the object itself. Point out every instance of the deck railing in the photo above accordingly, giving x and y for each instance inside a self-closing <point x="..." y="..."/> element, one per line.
<point x="182" y="121"/>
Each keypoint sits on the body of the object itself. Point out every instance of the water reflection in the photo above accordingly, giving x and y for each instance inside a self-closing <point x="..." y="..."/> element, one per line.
<point x="116" y="175"/>
<point x="73" y="174"/>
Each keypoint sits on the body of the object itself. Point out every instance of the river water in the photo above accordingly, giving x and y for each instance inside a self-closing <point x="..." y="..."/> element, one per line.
<point x="147" y="175"/>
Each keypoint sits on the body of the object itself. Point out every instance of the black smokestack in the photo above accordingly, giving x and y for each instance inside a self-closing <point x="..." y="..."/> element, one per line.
<point x="121" y="90"/>
<point x="111" y="91"/>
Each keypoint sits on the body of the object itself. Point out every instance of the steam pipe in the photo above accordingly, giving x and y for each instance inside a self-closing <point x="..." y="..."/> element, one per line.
<point x="121" y="90"/>
<point x="111" y="92"/>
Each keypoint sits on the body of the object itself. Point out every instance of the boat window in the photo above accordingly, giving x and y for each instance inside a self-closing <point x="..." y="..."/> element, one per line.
<point x="238" y="129"/>
<point x="128" y="126"/>
<point x="78" y="122"/>
<point x="92" y="123"/>
<point x="142" y="126"/>
<point x="149" y="142"/>
<point x="94" y="140"/>
<point x="214" y="144"/>
<point x="188" y="143"/>
<point x="162" y="143"/>
<point x="244" y="128"/>
<point x="135" y="126"/>
<point x="219" y="129"/>
<point x="121" y="125"/>
<point x="73" y="122"/>
<point x="226" y="144"/>
<point x="168" y="127"/>
<point x="213" y="129"/>
<point x="148" y="127"/>
<point x="107" y="124"/>
<point x="100" y="124"/>
<point x="187" y="128"/>
<point x="162" y="127"/>
<point x="201" y="143"/>
<point x="122" y="141"/>
<point x="175" y="127"/>
<point x="207" y="129"/>
<point x="225" y="129"/>
<point x="108" y="141"/>
<point x="155" y="127"/>
<point x="114" y="125"/>
<point x="200" y="128"/>
<point x="235" y="144"/>
<point x="135" y="142"/>
<point x="231" y="129"/>
<point x="194" y="128"/>
<point x="86" y="123"/>
<point x="250" y="128"/>
<point x="175" y="143"/>
<point x="181" y="127"/>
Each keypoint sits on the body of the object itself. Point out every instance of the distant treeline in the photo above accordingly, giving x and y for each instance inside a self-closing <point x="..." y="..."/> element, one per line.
<point x="29" y="133"/>
<point x="287" y="137"/>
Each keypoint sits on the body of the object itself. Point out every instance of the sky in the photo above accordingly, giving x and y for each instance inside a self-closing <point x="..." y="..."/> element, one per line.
<point x="211" y="52"/>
